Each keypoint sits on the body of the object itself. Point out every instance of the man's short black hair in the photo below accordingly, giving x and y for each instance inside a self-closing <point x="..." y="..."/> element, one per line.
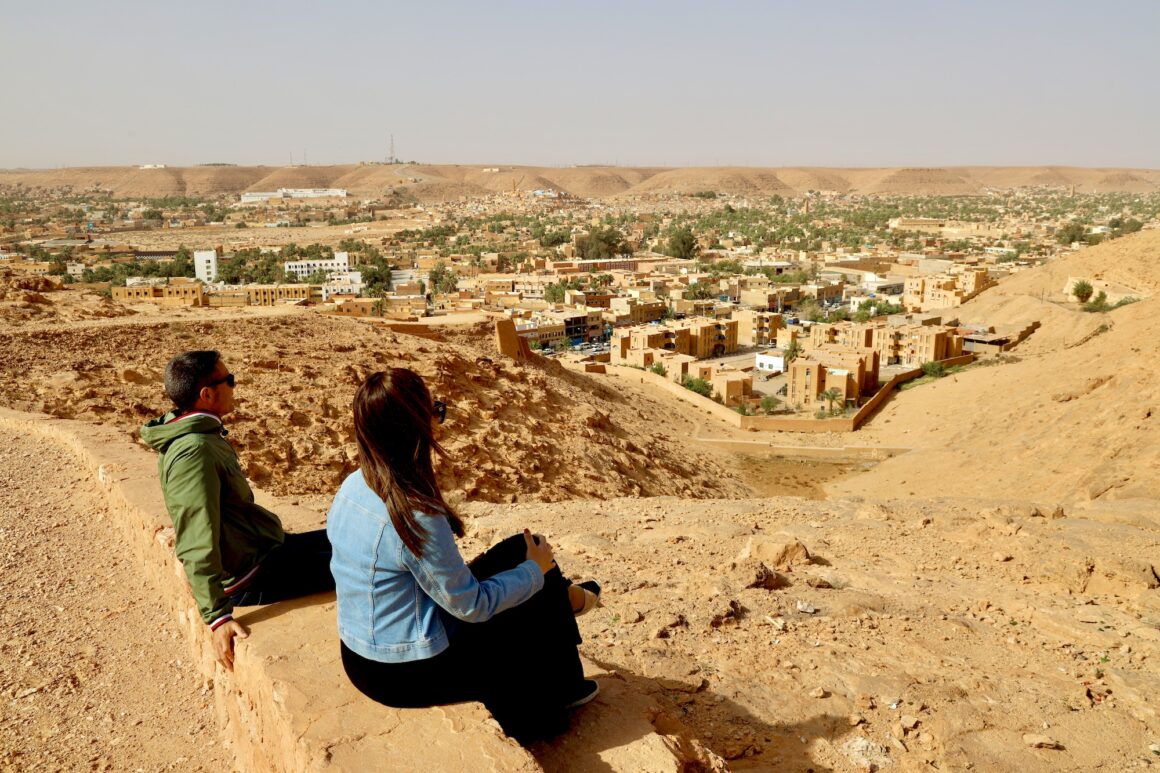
<point x="186" y="374"/>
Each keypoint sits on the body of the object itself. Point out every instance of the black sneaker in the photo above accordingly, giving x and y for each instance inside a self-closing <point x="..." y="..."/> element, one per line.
<point x="585" y="691"/>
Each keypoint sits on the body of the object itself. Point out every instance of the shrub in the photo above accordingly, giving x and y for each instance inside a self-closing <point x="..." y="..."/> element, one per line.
<point x="769" y="404"/>
<point x="659" y="369"/>
<point x="1099" y="303"/>
<point x="933" y="369"/>
<point x="698" y="385"/>
<point x="1082" y="291"/>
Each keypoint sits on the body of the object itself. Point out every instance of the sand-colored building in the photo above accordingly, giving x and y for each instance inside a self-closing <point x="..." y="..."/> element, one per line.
<point x="944" y="291"/>
<point x="389" y="306"/>
<point x="895" y="344"/>
<point x="757" y="328"/>
<point x="732" y="386"/>
<point x="183" y="294"/>
<point x="852" y="373"/>
<point x="272" y="295"/>
<point x="711" y="337"/>
<point x="633" y="311"/>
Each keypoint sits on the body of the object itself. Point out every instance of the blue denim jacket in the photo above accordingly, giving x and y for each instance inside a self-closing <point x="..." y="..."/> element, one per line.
<point x="391" y="604"/>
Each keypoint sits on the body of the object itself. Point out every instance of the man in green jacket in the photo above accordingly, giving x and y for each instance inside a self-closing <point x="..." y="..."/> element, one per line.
<point x="235" y="552"/>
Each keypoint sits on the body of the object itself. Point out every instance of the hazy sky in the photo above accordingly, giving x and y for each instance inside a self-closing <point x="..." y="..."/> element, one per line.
<point x="863" y="83"/>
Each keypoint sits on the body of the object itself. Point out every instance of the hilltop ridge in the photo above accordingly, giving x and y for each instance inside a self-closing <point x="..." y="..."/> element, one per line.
<point x="438" y="182"/>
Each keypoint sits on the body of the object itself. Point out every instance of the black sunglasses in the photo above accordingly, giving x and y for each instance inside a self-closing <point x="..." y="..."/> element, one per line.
<point x="228" y="379"/>
<point x="440" y="408"/>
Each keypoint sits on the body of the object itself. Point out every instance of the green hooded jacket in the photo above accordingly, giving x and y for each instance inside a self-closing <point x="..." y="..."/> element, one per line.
<point x="221" y="534"/>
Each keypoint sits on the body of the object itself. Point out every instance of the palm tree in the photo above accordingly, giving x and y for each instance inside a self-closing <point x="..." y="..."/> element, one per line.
<point x="831" y="396"/>
<point x="793" y="351"/>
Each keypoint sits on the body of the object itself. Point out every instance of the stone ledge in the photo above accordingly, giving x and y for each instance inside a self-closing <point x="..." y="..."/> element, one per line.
<point x="287" y="705"/>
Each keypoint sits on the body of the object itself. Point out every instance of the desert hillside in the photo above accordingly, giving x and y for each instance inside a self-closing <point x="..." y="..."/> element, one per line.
<point x="430" y="182"/>
<point x="537" y="432"/>
<point x="1071" y="414"/>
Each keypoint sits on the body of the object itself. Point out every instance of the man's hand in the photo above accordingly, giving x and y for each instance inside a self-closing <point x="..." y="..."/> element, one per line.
<point x="223" y="641"/>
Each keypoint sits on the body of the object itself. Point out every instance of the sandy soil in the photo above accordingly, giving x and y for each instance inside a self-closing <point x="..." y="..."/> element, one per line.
<point x="1070" y="415"/>
<point x="94" y="675"/>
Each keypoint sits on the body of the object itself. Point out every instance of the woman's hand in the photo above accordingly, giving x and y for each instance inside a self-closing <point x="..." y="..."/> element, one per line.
<point x="540" y="553"/>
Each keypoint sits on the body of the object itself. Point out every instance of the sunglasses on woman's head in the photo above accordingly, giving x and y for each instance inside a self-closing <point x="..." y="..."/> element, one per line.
<point x="440" y="409"/>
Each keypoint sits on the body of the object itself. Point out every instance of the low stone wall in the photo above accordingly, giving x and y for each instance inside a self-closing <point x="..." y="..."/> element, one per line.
<point x="287" y="706"/>
<point x="783" y="423"/>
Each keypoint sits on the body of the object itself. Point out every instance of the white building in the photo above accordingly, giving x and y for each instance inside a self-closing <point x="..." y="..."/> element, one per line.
<point x="257" y="197"/>
<point x="75" y="269"/>
<point x="205" y="265"/>
<point x="350" y="283"/>
<point x="770" y="361"/>
<point x="304" y="268"/>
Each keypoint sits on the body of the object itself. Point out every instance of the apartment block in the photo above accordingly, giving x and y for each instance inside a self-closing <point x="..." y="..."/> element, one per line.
<point x="711" y="337"/>
<point x="757" y="328"/>
<point x="852" y="374"/>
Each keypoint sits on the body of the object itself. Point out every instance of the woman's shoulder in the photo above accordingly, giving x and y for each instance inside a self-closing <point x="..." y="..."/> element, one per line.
<point x="354" y="492"/>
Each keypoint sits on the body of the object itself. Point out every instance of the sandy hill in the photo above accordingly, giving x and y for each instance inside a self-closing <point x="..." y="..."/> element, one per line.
<point x="943" y="182"/>
<point x="538" y="432"/>
<point x="429" y="182"/>
<point x="1073" y="417"/>
<point x="738" y="180"/>
<point x="805" y="179"/>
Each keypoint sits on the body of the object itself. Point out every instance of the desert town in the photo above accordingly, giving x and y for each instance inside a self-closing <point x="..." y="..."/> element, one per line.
<point x="864" y="460"/>
<point x="801" y="307"/>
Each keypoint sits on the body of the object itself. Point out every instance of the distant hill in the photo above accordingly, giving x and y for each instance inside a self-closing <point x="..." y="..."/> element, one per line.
<point x="431" y="183"/>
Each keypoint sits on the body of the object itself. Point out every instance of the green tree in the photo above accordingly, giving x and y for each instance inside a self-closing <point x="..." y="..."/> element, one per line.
<point x="701" y="291"/>
<point x="792" y="351"/>
<point x="698" y="385"/>
<point x="659" y="369"/>
<point x="769" y="404"/>
<point x="809" y="309"/>
<point x="1072" y="232"/>
<point x="441" y="279"/>
<point x="1082" y="291"/>
<point x="601" y="244"/>
<point x="682" y="244"/>
<point x="831" y="396"/>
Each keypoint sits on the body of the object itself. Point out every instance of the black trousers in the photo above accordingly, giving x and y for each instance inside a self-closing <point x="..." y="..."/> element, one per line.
<point x="299" y="567"/>
<point x="522" y="664"/>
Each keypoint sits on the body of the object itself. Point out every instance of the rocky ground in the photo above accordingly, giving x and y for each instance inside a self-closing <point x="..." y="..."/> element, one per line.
<point x="94" y="675"/>
<point x="537" y="432"/>
<point x="794" y="635"/>
<point x="988" y="600"/>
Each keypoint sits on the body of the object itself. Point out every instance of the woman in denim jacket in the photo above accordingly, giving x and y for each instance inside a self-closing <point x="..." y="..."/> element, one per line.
<point x="419" y="626"/>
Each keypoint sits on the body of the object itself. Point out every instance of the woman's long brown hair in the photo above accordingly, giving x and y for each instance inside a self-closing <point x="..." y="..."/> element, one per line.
<point x="393" y="426"/>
